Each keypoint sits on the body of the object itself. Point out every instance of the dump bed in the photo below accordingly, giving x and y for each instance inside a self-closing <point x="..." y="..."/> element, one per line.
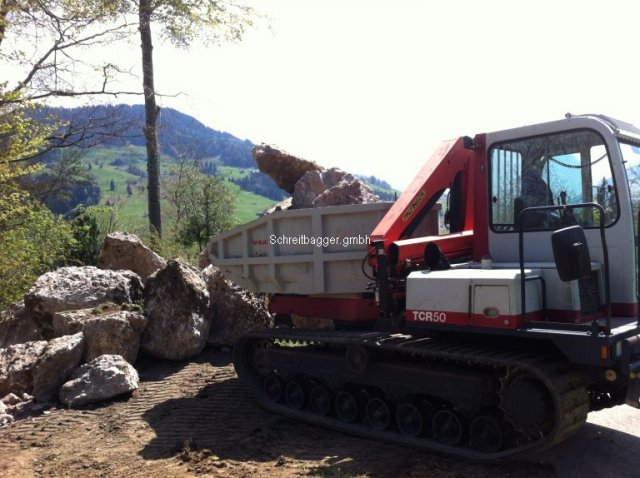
<point x="301" y="251"/>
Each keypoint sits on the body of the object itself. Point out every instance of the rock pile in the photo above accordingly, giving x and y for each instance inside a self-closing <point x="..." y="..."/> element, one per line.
<point x="77" y="334"/>
<point x="310" y="184"/>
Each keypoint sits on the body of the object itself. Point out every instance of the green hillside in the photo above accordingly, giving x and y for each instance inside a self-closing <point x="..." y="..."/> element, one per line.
<point x="132" y="208"/>
<point x="118" y="165"/>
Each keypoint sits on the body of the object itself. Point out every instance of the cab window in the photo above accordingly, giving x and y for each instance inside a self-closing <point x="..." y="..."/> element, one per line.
<point x="558" y="169"/>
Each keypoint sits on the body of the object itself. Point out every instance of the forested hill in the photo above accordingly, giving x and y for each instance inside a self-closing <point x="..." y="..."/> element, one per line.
<point x="113" y="140"/>
<point x="179" y="134"/>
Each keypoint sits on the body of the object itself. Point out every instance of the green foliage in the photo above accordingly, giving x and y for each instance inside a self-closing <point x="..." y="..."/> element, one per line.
<point x="20" y="138"/>
<point x="210" y="212"/>
<point x="32" y="239"/>
<point x="201" y="205"/>
<point x="89" y="227"/>
<point x="183" y="21"/>
<point x="41" y="242"/>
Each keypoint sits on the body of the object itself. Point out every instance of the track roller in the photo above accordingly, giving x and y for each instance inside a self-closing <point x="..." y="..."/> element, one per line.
<point x="448" y="427"/>
<point x="294" y="394"/>
<point x="273" y="387"/>
<point x="487" y="433"/>
<point x="347" y="407"/>
<point x="409" y="420"/>
<point x="320" y="400"/>
<point x="378" y="414"/>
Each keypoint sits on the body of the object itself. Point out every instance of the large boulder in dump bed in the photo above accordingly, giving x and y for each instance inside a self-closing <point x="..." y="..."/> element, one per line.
<point x="126" y="251"/>
<point x="177" y="307"/>
<point x="284" y="168"/>
<point x="332" y="187"/>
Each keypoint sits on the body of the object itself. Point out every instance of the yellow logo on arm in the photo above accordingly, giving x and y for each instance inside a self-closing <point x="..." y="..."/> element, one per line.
<point x="413" y="206"/>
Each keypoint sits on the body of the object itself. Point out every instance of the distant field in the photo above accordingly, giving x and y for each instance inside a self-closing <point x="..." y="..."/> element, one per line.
<point x="132" y="208"/>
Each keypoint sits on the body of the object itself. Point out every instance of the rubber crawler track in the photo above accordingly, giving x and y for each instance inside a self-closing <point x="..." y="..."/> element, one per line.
<point x="564" y="384"/>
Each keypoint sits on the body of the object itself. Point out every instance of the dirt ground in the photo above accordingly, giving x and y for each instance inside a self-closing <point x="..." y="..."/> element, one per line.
<point x="195" y="419"/>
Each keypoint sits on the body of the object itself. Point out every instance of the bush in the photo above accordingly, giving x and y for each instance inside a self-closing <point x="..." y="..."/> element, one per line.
<point x="41" y="243"/>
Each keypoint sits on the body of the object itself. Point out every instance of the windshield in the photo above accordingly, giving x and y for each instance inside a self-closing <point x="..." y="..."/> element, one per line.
<point x="552" y="170"/>
<point x="631" y="157"/>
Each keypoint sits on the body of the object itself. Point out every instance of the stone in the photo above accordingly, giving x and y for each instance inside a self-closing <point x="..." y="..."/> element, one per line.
<point x="11" y="399"/>
<point x="176" y="306"/>
<point x="204" y="259"/>
<point x="126" y="251"/>
<point x="17" y="364"/>
<point x="60" y="357"/>
<point x="281" y="206"/>
<point x="346" y="192"/>
<point x="105" y="377"/>
<point x="73" y="288"/>
<point x="18" y="327"/>
<point x="332" y="187"/>
<point x="106" y="331"/>
<point x="117" y="333"/>
<point x="234" y="311"/>
<point x="284" y="168"/>
<point x="39" y="368"/>
<point x="70" y="322"/>
<point x="5" y="419"/>
<point x="309" y="187"/>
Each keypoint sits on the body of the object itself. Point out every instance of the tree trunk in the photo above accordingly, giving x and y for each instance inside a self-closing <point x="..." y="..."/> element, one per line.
<point x="151" y="118"/>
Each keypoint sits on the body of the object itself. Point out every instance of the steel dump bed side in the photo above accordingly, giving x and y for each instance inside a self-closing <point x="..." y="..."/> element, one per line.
<point x="301" y="251"/>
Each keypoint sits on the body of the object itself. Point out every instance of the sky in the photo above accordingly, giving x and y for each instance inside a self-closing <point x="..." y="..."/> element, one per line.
<point x="374" y="86"/>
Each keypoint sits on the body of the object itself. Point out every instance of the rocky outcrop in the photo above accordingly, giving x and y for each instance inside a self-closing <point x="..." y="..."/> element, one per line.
<point x="107" y="330"/>
<point x="39" y="368"/>
<point x="126" y="251"/>
<point x="18" y="327"/>
<point x="105" y="377"/>
<point x="234" y="310"/>
<point x="332" y="187"/>
<point x="73" y="288"/>
<point x="177" y="307"/>
<point x="284" y="168"/>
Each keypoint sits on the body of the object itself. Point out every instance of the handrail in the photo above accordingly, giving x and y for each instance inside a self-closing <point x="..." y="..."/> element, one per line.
<point x="605" y="254"/>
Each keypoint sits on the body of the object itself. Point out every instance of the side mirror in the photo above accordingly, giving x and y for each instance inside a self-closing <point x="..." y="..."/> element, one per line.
<point x="571" y="253"/>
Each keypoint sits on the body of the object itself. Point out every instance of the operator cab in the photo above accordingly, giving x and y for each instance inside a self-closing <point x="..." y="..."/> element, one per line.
<point x="582" y="159"/>
<point x="581" y="173"/>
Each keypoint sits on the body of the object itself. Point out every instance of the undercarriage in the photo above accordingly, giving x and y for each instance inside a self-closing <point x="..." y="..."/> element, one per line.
<point x="467" y="399"/>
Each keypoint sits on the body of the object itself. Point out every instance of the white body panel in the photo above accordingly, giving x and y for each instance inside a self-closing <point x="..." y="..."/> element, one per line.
<point x="269" y="254"/>
<point x="492" y="293"/>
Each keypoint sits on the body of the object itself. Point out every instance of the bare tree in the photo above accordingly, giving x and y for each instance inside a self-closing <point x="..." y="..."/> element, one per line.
<point x="181" y="22"/>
